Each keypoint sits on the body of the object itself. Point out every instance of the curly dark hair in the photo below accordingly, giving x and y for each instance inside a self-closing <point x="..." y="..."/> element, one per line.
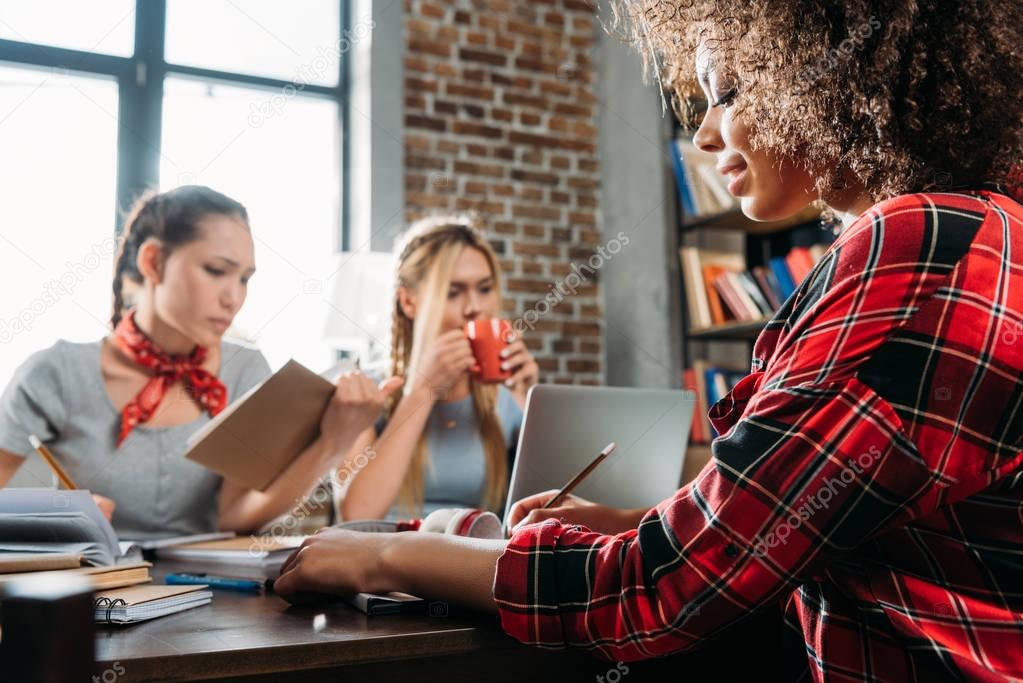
<point x="902" y="96"/>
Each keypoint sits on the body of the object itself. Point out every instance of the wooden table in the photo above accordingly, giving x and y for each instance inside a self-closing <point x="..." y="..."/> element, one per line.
<point x="243" y="637"/>
<point x="261" y="638"/>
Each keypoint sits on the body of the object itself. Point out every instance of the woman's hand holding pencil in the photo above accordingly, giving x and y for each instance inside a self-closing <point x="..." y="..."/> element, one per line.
<point x="562" y="505"/>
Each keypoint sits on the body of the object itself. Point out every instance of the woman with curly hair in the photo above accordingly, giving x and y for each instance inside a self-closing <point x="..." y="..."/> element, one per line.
<point x="868" y="479"/>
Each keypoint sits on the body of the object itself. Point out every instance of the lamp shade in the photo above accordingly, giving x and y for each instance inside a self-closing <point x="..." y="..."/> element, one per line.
<point x="359" y="308"/>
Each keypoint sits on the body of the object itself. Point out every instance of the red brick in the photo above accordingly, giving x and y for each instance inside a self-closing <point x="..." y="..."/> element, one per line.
<point x="417" y="121"/>
<point x="580" y="217"/>
<point x="430" y="10"/>
<point x="525" y="100"/>
<point x="533" y="177"/>
<point x="538" y="212"/>
<point x="583" y="366"/>
<point x="427" y="199"/>
<point x="466" y="204"/>
<point x="581" y="329"/>
<point x="501" y="114"/>
<point x="430" y="47"/>
<point x="476" y="129"/>
<point x="572" y="109"/>
<point x="529" y="286"/>
<point x="490" y="170"/>
<point x="492" y="58"/>
<point x="530" y="249"/>
<point x="518" y="137"/>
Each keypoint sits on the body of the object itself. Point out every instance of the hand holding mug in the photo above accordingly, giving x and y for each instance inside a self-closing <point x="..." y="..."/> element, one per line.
<point x="445" y="362"/>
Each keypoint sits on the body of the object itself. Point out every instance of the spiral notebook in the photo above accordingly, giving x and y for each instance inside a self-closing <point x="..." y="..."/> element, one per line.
<point x="140" y="603"/>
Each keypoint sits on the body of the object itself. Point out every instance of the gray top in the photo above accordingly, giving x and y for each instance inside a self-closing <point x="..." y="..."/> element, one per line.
<point x="457" y="473"/>
<point x="58" y="394"/>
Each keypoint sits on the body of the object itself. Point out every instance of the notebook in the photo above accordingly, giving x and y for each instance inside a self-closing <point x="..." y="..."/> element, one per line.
<point x="243" y="557"/>
<point x="102" y="578"/>
<point x="140" y="603"/>
<point x="255" y="438"/>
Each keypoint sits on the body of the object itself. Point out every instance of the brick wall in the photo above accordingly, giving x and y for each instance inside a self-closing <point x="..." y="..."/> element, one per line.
<point x="501" y="118"/>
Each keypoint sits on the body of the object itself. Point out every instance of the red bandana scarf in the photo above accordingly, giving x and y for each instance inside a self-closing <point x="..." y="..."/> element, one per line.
<point x="208" y="391"/>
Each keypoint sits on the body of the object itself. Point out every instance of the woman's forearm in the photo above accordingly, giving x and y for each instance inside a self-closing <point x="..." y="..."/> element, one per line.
<point x="248" y="509"/>
<point x="375" y="487"/>
<point x="440" y="567"/>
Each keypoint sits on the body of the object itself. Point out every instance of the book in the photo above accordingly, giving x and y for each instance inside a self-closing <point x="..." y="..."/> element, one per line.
<point x="730" y="298"/>
<point x="719" y="313"/>
<point x="696" y="297"/>
<point x="14" y="563"/>
<point x="781" y="272"/>
<point x="141" y="603"/>
<point x="702" y="190"/>
<point x="48" y="521"/>
<point x="735" y="283"/>
<point x="684" y="194"/>
<point x="156" y="543"/>
<point x="799" y="263"/>
<point x="768" y="284"/>
<point x="242" y="557"/>
<point x="697" y="430"/>
<point x="101" y="578"/>
<point x="749" y="284"/>
<point x="255" y="438"/>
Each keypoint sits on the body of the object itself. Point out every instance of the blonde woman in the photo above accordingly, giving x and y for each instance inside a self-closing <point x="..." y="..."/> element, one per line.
<point x="447" y="440"/>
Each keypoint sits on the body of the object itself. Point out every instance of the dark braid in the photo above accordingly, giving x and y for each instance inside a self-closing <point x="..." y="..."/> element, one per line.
<point x="170" y="217"/>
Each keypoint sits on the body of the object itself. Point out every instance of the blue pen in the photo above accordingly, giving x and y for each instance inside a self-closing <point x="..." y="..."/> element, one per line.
<point x="244" y="585"/>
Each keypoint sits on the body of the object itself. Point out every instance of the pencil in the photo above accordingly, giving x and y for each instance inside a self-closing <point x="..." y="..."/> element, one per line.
<point x="43" y="451"/>
<point x="577" y="479"/>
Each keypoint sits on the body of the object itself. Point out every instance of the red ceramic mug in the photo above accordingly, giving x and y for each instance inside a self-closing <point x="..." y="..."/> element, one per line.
<point x="488" y="338"/>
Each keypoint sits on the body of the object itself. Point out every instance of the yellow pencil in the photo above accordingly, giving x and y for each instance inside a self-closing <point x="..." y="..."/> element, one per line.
<point x="43" y="451"/>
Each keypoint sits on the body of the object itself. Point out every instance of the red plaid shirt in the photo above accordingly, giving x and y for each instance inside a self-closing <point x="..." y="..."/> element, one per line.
<point x="868" y="475"/>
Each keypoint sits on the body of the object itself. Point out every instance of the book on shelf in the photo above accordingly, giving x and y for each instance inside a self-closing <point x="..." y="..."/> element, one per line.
<point x="711" y="383"/>
<point x="721" y="290"/>
<point x="701" y="189"/>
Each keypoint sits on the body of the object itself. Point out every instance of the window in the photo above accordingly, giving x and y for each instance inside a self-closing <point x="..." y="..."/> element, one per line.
<point x="246" y="97"/>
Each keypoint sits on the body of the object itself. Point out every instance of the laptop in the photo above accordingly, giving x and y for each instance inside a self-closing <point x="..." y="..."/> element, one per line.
<point x="565" y="427"/>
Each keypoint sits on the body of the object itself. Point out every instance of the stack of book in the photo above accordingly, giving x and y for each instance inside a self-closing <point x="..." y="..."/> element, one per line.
<point x="720" y="290"/>
<point x="243" y="557"/>
<point x="121" y="596"/>
<point x="701" y="189"/>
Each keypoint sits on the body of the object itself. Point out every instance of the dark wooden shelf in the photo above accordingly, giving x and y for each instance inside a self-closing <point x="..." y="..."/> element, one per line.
<point x="734" y="219"/>
<point x="732" y="330"/>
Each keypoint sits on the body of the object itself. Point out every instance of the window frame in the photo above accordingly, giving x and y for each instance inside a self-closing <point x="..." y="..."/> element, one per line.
<point x="140" y="79"/>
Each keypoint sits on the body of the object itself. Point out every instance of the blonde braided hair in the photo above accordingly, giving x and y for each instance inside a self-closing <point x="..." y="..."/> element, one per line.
<point x="427" y="252"/>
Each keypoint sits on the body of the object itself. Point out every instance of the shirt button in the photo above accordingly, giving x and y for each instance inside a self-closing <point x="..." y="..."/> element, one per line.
<point x="731" y="550"/>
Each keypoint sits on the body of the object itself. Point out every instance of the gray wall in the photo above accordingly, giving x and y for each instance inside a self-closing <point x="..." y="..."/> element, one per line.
<point x="642" y="304"/>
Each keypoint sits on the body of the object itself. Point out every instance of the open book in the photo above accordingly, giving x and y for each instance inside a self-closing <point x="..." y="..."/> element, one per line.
<point x="48" y="521"/>
<point x="255" y="438"/>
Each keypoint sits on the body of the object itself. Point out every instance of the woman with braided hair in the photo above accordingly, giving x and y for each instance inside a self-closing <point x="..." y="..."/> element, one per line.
<point x="446" y="440"/>
<point x="118" y="412"/>
<point x="867" y="482"/>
